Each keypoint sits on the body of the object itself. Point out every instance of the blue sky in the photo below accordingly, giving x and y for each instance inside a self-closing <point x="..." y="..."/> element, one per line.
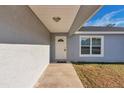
<point x="108" y="14"/>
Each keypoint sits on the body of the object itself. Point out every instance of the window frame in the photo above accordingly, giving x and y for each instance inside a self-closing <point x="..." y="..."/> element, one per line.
<point x="91" y="55"/>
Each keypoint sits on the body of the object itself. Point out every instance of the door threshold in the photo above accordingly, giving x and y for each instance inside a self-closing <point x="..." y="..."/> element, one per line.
<point x="61" y="61"/>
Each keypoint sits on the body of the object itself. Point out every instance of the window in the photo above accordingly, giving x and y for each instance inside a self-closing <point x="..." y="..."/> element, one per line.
<point x="91" y="45"/>
<point x="60" y="40"/>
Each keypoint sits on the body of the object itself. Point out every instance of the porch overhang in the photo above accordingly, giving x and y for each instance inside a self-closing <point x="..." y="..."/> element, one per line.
<point x="64" y="18"/>
<point x="56" y="18"/>
<point x="85" y="12"/>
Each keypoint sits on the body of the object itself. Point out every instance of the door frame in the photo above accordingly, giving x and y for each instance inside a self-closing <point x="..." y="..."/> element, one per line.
<point x="65" y="47"/>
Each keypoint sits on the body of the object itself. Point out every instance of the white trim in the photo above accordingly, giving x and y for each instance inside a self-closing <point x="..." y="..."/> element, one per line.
<point x="92" y="55"/>
<point x="96" y="32"/>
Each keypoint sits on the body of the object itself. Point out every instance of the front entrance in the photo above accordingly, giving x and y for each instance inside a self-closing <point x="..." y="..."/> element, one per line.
<point x="60" y="47"/>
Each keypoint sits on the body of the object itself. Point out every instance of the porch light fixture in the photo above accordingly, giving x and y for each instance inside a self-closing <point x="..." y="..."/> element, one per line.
<point x="56" y="19"/>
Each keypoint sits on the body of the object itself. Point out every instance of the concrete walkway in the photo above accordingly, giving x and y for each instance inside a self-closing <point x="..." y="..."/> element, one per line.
<point x="59" y="76"/>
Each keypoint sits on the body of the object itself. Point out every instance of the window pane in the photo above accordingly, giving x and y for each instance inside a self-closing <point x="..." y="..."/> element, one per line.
<point x="85" y="50"/>
<point x="96" y="41"/>
<point x="96" y="50"/>
<point x="85" y="41"/>
<point x="96" y="45"/>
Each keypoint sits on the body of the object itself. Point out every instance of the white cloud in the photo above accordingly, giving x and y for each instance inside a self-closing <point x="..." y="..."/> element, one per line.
<point x="107" y="19"/>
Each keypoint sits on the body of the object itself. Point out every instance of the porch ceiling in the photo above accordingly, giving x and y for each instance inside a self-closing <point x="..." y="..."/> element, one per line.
<point x="63" y="18"/>
<point x="49" y="13"/>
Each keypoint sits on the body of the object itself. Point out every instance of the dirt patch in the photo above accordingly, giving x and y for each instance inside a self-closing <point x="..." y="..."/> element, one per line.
<point x="99" y="76"/>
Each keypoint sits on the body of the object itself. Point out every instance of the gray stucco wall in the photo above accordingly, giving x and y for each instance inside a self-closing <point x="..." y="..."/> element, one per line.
<point x="24" y="47"/>
<point x="113" y="49"/>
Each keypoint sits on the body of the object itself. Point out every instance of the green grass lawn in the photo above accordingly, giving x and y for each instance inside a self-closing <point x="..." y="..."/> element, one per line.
<point x="101" y="75"/>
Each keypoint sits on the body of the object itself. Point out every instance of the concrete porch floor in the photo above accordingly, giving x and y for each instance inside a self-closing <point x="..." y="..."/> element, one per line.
<point x="59" y="76"/>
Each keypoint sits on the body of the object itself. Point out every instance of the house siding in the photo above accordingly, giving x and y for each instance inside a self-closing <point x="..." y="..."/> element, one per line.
<point x="113" y="49"/>
<point x="24" y="47"/>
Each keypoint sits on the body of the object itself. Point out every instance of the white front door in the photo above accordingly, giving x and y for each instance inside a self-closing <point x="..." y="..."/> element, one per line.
<point x="60" y="47"/>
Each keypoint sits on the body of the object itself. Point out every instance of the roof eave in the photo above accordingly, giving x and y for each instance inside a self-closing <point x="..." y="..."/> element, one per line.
<point x="85" y="12"/>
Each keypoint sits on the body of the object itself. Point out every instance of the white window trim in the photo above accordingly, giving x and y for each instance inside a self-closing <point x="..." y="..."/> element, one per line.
<point x="92" y="55"/>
